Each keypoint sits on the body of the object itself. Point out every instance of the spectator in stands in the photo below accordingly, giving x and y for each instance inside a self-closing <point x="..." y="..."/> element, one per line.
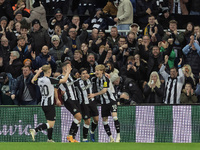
<point x="98" y="21"/>
<point x="17" y="29"/>
<point x="173" y="83"/>
<point x="192" y="53"/>
<point x="24" y="33"/>
<point x="114" y="37"/>
<point x="7" y="33"/>
<point x="58" y="49"/>
<point x="188" y="32"/>
<point x="73" y="42"/>
<point x="146" y="45"/>
<point x="178" y="7"/>
<point x="197" y="91"/>
<point x="5" y="98"/>
<point x="111" y="70"/>
<point x="144" y="9"/>
<point x="124" y="14"/>
<point x="124" y="84"/>
<point x="18" y="17"/>
<point x="75" y="23"/>
<point x="51" y="6"/>
<point x="132" y="42"/>
<point x="154" y="89"/>
<point x="155" y="58"/>
<point x="23" y="49"/>
<point x="188" y="95"/>
<point x="178" y="39"/>
<point x="102" y="40"/>
<point x="163" y="45"/>
<point x="93" y="36"/>
<point x="84" y="5"/>
<point x="109" y="57"/>
<point x="110" y="9"/>
<point x="39" y="36"/>
<point x="6" y="9"/>
<point x="13" y="68"/>
<point x="134" y="27"/>
<point x="21" y="6"/>
<point x="38" y="12"/>
<point x="130" y="70"/>
<point x="4" y="50"/>
<point x="24" y="91"/>
<point x="195" y="7"/>
<point x="79" y="60"/>
<point x="58" y="19"/>
<point x="43" y="59"/>
<point x="141" y="66"/>
<point x="189" y="76"/>
<point x="197" y="33"/>
<point x="165" y="18"/>
<point x="154" y="30"/>
<point x="91" y="63"/>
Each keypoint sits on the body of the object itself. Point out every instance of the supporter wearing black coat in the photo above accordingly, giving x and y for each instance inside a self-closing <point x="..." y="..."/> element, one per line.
<point x="154" y="89"/>
<point x="40" y="37"/>
<point x="123" y="84"/>
<point x="14" y="65"/>
<point x="6" y="9"/>
<point x="155" y="58"/>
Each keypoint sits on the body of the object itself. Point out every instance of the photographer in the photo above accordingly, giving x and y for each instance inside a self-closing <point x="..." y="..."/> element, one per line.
<point x="126" y="91"/>
<point x="130" y="70"/>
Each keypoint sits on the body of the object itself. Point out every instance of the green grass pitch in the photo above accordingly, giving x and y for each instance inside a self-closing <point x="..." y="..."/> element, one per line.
<point x="97" y="146"/>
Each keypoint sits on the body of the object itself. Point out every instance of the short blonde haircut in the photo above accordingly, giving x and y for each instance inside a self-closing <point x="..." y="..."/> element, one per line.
<point x="46" y="68"/>
<point x="101" y="68"/>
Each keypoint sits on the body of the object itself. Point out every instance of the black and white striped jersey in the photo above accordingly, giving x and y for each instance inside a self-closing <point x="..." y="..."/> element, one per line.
<point x="46" y="85"/>
<point x="83" y="88"/>
<point x="68" y="88"/>
<point x="104" y="82"/>
<point x="173" y="87"/>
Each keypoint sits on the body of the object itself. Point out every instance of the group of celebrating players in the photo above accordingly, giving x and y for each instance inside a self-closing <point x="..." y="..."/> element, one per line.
<point x="80" y="99"/>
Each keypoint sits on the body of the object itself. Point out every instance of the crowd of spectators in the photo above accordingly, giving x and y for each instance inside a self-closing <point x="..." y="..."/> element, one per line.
<point x="150" y="62"/>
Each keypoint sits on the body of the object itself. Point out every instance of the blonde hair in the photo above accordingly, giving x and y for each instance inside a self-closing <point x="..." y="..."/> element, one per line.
<point x="190" y="71"/>
<point x="101" y="68"/>
<point x="158" y="83"/>
<point x="46" y="68"/>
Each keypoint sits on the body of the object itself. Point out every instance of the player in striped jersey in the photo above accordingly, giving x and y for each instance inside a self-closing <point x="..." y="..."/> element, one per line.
<point x="46" y="84"/>
<point x="70" y="102"/>
<point x="88" y="106"/>
<point x="108" y="101"/>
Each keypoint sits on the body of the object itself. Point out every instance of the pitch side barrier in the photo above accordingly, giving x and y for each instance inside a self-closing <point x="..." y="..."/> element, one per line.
<point x="147" y="123"/>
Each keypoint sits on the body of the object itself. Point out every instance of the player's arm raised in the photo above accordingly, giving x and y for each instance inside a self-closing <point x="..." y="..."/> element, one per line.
<point x="36" y="75"/>
<point x="69" y="68"/>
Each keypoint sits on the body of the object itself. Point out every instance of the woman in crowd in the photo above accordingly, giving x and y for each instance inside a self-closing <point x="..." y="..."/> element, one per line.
<point x="154" y="89"/>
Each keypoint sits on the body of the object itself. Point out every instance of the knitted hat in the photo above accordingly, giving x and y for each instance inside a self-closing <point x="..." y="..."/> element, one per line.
<point x="55" y="38"/>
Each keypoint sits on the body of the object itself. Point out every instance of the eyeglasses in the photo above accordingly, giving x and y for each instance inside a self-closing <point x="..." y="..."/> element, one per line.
<point x="72" y="31"/>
